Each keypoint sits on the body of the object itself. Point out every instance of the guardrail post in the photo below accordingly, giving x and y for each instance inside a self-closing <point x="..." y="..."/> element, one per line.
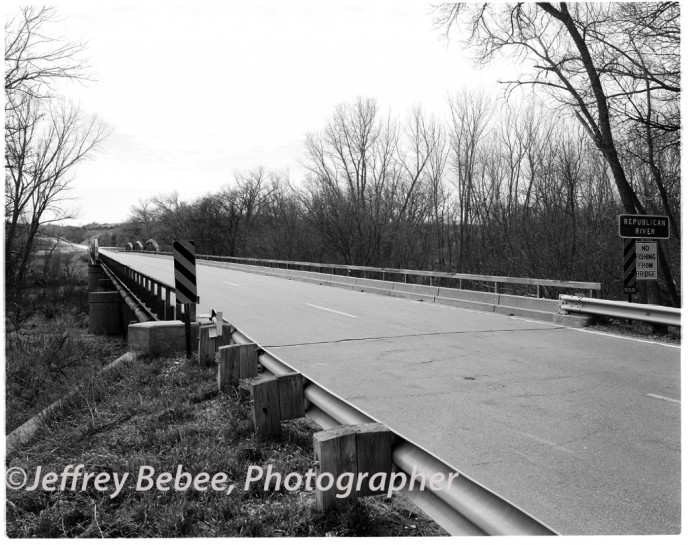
<point x="228" y="368"/>
<point x="335" y="454"/>
<point x="265" y="399"/>
<point x="364" y="450"/>
<point x="373" y="455"/>
<point x="291" y="400"/>
<point x="206" y="346"/>
<point x="248" y="360"/>
<point x="226" y="338"/>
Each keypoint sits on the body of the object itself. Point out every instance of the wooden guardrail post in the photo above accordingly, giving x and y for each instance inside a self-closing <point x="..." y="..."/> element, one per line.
<point x="237" y="361"/>
<point x="291" y="400"/>
<point x="363" y="450"/>
<point x="266" y="417"/>
<point x="373" y="456"/>
<point x="335" y="454"/>
<point x="206" y="346"/>
<point x="228" y="368"/>
<point x="226" y="337"/>
<point x="248" y="360"/>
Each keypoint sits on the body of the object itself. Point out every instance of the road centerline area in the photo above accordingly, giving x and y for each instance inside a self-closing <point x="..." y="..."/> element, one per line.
<point x="331" y="310"/>
<point x="664" y="398"/>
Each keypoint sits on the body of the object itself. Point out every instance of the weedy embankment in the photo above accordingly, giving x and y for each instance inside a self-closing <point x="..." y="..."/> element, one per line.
<point x="152" y="416"/>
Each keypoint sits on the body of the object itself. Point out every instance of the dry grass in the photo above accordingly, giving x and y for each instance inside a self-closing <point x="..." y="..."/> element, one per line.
<point x="162" y="413"/>
<point x="48" y="349"/>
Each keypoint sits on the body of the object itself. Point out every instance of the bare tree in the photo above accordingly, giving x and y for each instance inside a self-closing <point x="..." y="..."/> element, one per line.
<point x="353" y="171"/>
<point x="45" y="137"/>
<point x="593" y="59"/>
<point x="35" y="60"/>
<point x="470" y="115"/>
<point x="39" y="159"/>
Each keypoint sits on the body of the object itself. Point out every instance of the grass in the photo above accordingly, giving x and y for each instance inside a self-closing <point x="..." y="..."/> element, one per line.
<point x="636" y="329"/>
<point x="48" y="349"/>
<point x="162" y="413"/>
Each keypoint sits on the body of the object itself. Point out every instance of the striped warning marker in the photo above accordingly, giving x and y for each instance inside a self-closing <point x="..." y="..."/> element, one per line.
<point x="629" y="265"/>
<point x="185" y="271"/>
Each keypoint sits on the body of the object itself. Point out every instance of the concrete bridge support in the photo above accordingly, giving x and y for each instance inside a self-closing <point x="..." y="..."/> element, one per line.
<point x="95" y="273"/>
<point x="108" y="314"/>
<point x="105" y="315"/>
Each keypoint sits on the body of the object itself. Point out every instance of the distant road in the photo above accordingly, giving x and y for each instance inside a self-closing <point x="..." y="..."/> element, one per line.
<point x="64" y="245"/>
<point x="580" y="429"/>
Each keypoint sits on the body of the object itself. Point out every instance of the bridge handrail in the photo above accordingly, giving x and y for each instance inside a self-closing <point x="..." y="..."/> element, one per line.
<point x="620" y="309"/>
<point x="153" y="293"/>
<point x="589" y="286"/>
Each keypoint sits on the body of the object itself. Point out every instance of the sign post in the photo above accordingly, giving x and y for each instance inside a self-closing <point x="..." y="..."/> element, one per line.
<point x="185" y="283"/>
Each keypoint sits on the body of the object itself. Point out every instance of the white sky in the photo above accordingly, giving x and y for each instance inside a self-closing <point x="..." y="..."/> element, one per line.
<point x="194" y="91"/>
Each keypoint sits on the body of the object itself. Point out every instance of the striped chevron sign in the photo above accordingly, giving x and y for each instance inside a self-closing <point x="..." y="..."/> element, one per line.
<point x="185" y="271"/>
<point x="629" y="266"/>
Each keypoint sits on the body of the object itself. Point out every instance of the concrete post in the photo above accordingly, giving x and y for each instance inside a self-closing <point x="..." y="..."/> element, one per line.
<point x="95" y="273"/>
<point x="160" y="338"/>
<point x="105" y="285"/>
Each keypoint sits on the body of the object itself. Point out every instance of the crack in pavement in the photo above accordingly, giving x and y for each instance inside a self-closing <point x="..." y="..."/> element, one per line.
<point x="413" y="335"/>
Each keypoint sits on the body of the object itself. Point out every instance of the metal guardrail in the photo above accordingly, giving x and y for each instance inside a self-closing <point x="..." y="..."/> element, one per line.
<point x="618" y="309"/>
<point x="463" y="508"/>
<point x="590" y="287"/>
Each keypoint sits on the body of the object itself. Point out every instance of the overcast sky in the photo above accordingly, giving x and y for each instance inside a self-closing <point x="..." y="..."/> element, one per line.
<point x="195" y="91"/>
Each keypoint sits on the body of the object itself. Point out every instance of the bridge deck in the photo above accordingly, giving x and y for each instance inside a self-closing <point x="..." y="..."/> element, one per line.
<point x="580" y="429"/>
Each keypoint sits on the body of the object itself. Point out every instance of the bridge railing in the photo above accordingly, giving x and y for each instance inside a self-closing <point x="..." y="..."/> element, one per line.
<point x="154" y="294"/>
<point x="485" y="282"/>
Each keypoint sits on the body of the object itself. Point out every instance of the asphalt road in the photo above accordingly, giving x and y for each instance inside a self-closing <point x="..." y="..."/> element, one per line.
<point x="580" y="429"/>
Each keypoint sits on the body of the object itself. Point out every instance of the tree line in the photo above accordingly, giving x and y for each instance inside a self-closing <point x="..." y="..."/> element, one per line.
<point x="520" y="187"/>
<point x="486" y="190"/>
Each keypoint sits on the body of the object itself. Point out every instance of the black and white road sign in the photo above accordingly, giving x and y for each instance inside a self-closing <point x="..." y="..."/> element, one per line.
<point x="185" y="271"/>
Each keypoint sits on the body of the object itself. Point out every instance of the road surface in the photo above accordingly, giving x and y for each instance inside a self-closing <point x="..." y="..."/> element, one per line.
<point x="580" y="429"/>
